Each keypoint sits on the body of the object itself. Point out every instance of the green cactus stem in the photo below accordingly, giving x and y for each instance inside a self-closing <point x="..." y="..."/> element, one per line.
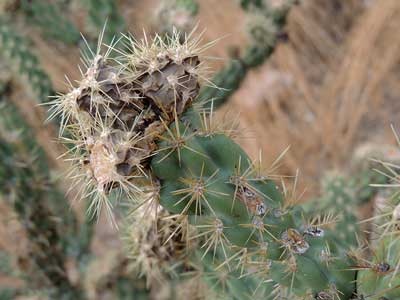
<point x="264" y="36"/>
<point x="24" y="183"/>
<point x="139" y="130"/>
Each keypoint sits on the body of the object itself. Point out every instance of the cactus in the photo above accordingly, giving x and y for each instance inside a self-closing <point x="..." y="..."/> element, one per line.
<point x="138" y="131"/>
<point x="379" y="276"/>
<point x="339" y="198"/>
<point x="379" y="279"/>
<point x="265" y="26"/>
<point x="32" y="207"/>
<point x="239" y="208"/>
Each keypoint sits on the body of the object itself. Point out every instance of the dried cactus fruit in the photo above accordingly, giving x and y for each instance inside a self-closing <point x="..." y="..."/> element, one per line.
<point x="120" y="109"/>
<point x="154" y="244"/>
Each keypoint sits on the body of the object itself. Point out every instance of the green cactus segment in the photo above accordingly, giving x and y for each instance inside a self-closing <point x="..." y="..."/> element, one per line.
<point x="263" y="34"/>
<point x="204" y="184"/>
<point x="16" y="53"/>
<point x="339" y="202"/>
<point x="225" y="83"/>
<point x="380" y="278"/>
<point x="25" y="184"/>
<point x="317" y="271"/>
<point x="9" y="293"/>
<point x="232" y="284"/>
<point x="50" y="19"/>
<point x="176" y="15"/>
<point x="211" y="179"/>
<point x="251" y="4"/>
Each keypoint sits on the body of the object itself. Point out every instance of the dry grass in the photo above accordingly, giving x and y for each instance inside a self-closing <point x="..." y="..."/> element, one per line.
<point x="327" y="90"/>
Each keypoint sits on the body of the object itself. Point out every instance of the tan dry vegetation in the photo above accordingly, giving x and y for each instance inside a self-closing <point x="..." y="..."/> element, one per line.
<point x="330" y="88"/>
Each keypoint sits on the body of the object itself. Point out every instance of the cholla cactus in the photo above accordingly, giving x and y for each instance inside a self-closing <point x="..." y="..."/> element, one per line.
<point x="262" y="30"/>
<point x="135" y="131"/>
<point x="379" y="272"/>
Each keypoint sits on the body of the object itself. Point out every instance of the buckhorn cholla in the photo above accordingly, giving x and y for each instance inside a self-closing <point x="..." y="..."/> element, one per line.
<point x="136" y="133"/>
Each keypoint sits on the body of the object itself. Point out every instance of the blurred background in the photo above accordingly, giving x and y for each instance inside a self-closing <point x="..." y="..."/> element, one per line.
<point x="329" y="90"/>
